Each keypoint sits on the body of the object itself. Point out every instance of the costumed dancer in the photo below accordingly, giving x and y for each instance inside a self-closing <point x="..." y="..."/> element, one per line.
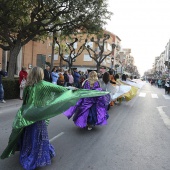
<point x="115" y="84"/>
<point x="89" y="112"/>
<point x="132" y="82"/>
<point x="116" y="77"/>
<point x="139" y="82"/>
<point x="41" y="101"/>
<point x="134" y="88"/>
<point x="115" y="92"/>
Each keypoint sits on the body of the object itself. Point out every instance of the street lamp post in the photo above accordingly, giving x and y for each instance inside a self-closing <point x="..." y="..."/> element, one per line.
<point x="112" y="60"/>
<point x="116" y="66"/>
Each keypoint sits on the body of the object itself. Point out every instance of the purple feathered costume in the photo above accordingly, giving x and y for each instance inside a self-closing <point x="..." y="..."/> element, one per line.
<point x="90" y="111"/>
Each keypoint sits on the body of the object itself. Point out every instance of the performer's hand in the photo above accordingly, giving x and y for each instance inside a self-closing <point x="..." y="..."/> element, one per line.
<point x="72" y="88"/>
<point x="75" y="89"/>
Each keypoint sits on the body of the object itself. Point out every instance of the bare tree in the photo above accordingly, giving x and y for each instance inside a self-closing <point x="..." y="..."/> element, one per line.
<point x="99" y="55"/>
<point x="68" y="48"/>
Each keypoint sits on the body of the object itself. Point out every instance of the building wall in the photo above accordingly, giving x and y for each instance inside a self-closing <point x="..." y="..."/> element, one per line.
<point x="33" y="48"/>
<point x="29" y="52"/>
<point x="82" y="60"/>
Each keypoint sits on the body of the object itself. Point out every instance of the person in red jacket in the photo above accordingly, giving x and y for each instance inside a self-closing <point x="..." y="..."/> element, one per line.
<point x="22" y="77"/>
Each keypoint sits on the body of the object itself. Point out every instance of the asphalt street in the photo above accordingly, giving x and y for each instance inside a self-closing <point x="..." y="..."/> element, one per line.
<point x="136" y="137"/>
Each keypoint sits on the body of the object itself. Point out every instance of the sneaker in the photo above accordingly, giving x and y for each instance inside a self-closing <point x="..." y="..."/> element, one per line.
<point x="89" y="128"/>
<point x="2" y="101"/>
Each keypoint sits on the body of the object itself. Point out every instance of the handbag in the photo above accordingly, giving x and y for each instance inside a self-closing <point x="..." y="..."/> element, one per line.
<point x="22" y="85"/>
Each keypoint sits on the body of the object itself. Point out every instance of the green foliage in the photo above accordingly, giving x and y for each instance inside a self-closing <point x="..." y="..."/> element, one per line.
<point x="11" y="88"/>
<point x="22" y="21"/>
<point x="33" y="19"/>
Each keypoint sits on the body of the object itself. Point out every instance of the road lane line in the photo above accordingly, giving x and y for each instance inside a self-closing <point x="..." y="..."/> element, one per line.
<point x="166" y="96"/>
<point x="164" y="117"/>
<point x="142" y="94"/>
<point x="55" y="137"/>
<point x="154" y="96"/>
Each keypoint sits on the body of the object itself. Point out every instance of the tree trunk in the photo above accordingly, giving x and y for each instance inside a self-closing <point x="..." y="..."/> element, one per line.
<point x="13" y="60"/>
<point x="52" y="54"/>
<point x="98" y="67"/>
<point x="4" y="62"/>
<point x="61" y="61"/>
<point x="70" y="65"/>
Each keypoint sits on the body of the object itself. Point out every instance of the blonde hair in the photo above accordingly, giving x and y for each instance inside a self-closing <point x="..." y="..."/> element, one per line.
<point x="35" y="75"/>
<point x="24" y="68"/>
<point x="92" y="78"/>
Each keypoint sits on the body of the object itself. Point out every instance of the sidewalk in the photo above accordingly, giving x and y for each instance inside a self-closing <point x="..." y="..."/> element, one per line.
<point x="11" y="102"/>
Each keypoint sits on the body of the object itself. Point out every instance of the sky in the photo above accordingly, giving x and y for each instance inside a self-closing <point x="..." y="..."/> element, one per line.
<point x="143" y="26"/>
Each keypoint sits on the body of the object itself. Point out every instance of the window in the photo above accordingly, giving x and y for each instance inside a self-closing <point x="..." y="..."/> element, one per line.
<point x="105" y="46"/>
<point x="75" y="45"/>
<point x="90" y="44"/>
<point x="55" y="56"/>
<point x="87" y="57"/>
<point x="108" y="59"/>
<point x="66" y="56"/>
<point x="109" y="47"/>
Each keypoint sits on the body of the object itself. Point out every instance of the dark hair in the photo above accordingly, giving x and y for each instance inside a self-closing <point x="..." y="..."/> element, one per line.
<point x="116" y="76"/>
<point x="111" y="72"/>
<point x="106" y="77"/>
<point x="124" y="77"/>
<point x="54" y="69"/>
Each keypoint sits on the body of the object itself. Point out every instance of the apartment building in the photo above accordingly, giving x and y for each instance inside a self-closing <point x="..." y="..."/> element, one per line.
<point x="31" y="54"/>
<point x="124" y="61"/>
<point x="37" y="53"/>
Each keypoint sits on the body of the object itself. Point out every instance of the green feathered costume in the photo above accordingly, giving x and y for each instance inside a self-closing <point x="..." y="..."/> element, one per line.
<point x="42" y="101"/>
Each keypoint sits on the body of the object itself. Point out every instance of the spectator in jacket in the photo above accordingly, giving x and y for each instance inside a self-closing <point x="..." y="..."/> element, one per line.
<point x="54" y="75"/>
<point x="71" y="79"/>
<point x="47" y="74"/>
<point x="22" y="80"/>
<point x="167" y="86"/>
<point x="76" y="78"/>
<point x="66" y="78"/>
<point x="61" y="77"/>
<point x="22" y="74"/>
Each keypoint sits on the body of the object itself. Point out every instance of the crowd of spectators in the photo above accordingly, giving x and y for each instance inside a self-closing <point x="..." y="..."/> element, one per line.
<point x="161" y="83"/>
<point x="63" y="77"/>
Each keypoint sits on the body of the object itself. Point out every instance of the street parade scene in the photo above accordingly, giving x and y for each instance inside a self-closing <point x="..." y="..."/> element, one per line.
<point x="83" y="87"/>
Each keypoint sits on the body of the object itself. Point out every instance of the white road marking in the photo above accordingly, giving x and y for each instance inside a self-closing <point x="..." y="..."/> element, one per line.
<point x="154" y="96"/>
<point x="164" y="117"/>
<point x="166" y="96"/>
<point x="55" y="137"/>
<point x="142" y="94"/>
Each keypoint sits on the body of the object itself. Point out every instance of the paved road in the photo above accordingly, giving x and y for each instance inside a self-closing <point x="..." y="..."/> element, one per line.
<point x="136" y="137"/>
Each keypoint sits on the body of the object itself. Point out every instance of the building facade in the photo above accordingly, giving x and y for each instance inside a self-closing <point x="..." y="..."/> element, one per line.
<point x="37" y="53"/>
